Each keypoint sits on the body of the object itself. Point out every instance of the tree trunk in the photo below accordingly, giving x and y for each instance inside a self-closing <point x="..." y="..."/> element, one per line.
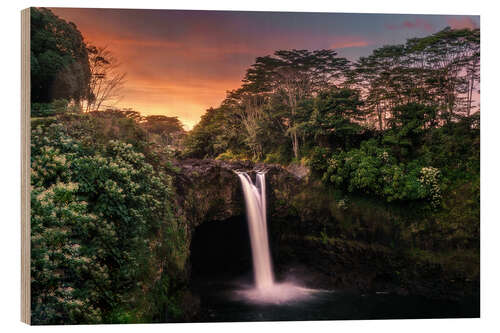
<point x="471" y="90"/>
<point x="379" y="114"/>
<point x="295" y="145"/>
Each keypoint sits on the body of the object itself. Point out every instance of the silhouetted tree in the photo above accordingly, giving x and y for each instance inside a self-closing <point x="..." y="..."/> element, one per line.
<point x="106" y="79"/>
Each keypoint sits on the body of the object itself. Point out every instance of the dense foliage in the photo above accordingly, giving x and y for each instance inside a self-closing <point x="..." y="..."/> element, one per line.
<point x="59" y="59"/>
<point x="106" y="246"/>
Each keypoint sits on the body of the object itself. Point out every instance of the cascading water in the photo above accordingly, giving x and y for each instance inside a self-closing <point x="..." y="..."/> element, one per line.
<point x="255" y="201"/>
<point x="266" y="290"/>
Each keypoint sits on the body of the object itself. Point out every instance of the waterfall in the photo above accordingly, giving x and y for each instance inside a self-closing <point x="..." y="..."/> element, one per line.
<point x="255" y="201"/>
<point x="266" y="290"/>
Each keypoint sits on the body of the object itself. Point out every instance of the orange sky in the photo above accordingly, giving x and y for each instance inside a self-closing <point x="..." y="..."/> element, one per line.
<point x="180" y="63"/>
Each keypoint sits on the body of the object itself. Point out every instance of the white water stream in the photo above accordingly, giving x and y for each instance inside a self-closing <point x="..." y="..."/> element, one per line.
<point x="266" y="290"/>
<point x="255" y="201"/>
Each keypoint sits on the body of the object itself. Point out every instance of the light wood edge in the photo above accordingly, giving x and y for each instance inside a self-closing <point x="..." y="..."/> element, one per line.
<point x="25" y="168"/>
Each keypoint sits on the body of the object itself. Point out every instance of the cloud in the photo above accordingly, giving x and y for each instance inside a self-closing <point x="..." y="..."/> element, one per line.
<point x="417" y="24"/>
<point x="348" y="42"/>
<point x="461" y="23"/>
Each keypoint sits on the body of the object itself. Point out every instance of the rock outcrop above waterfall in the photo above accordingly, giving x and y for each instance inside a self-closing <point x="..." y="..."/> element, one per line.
<point x="209" y="190"/>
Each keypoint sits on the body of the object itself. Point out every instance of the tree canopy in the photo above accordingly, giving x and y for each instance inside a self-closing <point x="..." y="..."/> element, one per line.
<point x="301" y="99"/>
<point x="59" y="59"/>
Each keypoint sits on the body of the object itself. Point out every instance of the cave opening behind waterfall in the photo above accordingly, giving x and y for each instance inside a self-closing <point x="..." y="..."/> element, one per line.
<point x="220" y="250"/>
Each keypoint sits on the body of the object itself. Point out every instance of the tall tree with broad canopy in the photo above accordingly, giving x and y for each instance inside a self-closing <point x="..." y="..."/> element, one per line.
<point x="169" y="129"/>
<point x="294" y="75"/>
<point x="59" y="59"/>
<point x="437" y="70"/>
<point x="336" y="115"/>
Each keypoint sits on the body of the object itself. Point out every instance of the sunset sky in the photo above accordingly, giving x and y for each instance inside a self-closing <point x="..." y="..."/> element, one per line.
<point x="180" y="63"/>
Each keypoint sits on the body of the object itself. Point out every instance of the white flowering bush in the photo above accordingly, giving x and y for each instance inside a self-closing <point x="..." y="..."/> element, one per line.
<point x="102" y="226"/>
<point x="429" y="177"/>
<point x="59" y="224"/>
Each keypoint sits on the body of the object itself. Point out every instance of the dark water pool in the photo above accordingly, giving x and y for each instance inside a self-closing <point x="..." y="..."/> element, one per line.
<point x="219" y="304"/>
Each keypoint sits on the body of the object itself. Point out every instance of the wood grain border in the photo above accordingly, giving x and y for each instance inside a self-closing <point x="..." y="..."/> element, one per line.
<point x="25" y="168"/>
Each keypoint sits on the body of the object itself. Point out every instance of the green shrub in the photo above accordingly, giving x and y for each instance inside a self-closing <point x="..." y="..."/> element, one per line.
<point x="102" y="226"/>
<point x="274" y="158"/>
<point x="228" y="155"/>
<point x="54" y="108"/>
<point x="372" y="170"/>
<point x="318" y="159"/>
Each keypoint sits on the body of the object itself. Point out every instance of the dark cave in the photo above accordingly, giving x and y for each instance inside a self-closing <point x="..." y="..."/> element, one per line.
<point x="221" y="249"/>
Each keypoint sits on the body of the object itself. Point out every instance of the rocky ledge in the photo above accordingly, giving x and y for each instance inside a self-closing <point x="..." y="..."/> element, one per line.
<point x="210" y="190"/>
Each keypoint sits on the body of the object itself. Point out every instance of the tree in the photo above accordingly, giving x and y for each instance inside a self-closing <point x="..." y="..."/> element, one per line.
<point x="376" y="77"/>
<point x="407" y="126"/>
<point x="472" y="67"/>
<point x="168" y="128"/>
<point x="218" y="131"/>
<point x="106" y="79"/>
<point x="294" y="75"/>
<point x="336" y="114"/>
<point x="438" y="70"/>
<point x="248" y="108"/>
<point x="452" y="56"/>
<point x="59" y="59"/>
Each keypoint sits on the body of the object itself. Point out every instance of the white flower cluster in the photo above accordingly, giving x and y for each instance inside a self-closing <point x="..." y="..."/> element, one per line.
<point x="332" y="163"/>
<point x="126" y="151"/>
<point x="384" y="156"/>
<point x="429" y="177"/>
